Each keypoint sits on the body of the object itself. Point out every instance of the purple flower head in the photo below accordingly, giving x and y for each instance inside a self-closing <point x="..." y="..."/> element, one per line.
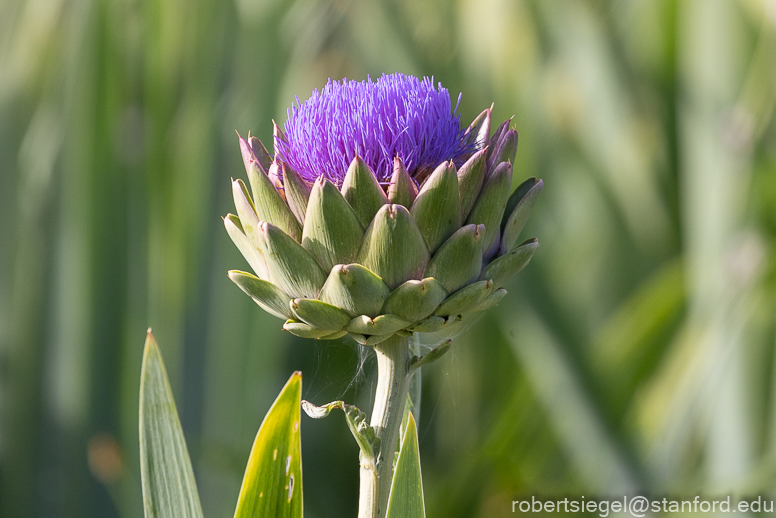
<point x="397" y="115"/>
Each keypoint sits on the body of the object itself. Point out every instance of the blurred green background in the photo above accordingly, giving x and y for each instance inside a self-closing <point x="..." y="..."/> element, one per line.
<point x="636" y="352"/>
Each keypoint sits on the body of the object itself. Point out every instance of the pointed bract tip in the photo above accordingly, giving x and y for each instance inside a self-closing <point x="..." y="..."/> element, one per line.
<point x="359" y="162"/>
<point x="247" y="154"/>
<point x="277" y="133"/>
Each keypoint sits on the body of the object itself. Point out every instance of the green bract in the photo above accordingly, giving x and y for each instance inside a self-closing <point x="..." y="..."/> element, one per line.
<point x="373" y="260"/>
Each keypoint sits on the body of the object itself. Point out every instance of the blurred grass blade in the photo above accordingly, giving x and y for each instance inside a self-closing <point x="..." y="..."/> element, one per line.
<point x="558" y="380"/>
<point x="272" y="486"/>
<point x="169" y="489"/>
<point x="406" y="499"/>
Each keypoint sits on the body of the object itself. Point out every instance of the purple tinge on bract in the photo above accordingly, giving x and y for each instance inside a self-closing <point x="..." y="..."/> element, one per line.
<point x="397" y="115"/>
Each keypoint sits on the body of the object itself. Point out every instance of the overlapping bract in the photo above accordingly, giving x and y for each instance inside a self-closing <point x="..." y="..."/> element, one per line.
<point x="371" y="262"/>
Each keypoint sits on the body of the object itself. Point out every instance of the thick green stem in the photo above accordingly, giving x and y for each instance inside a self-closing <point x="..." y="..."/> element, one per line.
<point x="368" y="501"/>
<point x="393" y="376"/>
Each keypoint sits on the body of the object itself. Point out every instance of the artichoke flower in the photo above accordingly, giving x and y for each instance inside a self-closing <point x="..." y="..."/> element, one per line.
<point x="379" y="215"/>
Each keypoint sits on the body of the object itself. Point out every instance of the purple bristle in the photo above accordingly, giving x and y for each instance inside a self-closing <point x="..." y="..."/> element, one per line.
<point x="397" y="115"/>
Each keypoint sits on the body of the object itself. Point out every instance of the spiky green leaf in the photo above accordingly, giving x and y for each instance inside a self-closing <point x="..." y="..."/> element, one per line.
<point x="406" y="500"/>
<point x="169" y="489"/>
<point x="272" y="485"/>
